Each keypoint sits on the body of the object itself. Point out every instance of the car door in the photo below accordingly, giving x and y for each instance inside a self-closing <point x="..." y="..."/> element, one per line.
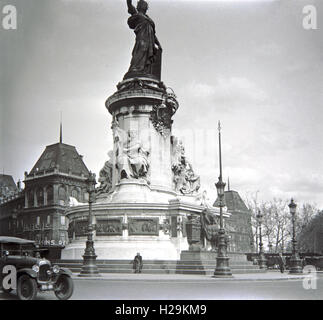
<point x="2" y="264"/>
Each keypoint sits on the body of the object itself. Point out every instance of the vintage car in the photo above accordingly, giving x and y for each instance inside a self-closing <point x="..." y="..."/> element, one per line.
<point x="33" y="274"/>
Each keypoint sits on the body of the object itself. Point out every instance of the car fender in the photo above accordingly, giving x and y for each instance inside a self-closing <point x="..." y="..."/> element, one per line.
<point x="65" y="271"/>
<point x="30" y="272"/>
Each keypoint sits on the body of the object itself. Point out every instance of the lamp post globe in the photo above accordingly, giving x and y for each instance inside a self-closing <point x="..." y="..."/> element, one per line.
<point x="89" y="268"/>
<point x="261" y="257"/>
<point x="220" y="185"/>
<point x="295" y="261"/>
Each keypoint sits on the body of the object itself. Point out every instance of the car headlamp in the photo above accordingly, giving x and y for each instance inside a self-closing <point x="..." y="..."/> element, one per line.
<point x="35" y="268"/>
<point x="56" y="269"/>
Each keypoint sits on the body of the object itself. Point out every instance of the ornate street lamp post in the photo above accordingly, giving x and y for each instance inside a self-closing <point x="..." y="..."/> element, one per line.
<point x="261" y="256"/>
<point x="89" y="268"/>
<point x="295" y="261"/>
<point x="222" y="261"/>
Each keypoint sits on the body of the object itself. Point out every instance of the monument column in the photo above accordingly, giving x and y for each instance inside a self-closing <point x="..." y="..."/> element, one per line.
<point x="147" y="168"/>
<point x="142" y="110"/>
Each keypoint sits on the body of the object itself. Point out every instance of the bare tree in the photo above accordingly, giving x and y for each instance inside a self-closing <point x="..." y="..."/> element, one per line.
<point x="277" y="222"/>
<point x="268" y="223"/>
<point x="305" y="215"/>
<point x="250" y="199"/>
<point x="307" y="224"/>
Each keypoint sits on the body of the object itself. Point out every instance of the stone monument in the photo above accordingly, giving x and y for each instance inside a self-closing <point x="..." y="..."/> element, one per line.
<point x="148" y="188"/>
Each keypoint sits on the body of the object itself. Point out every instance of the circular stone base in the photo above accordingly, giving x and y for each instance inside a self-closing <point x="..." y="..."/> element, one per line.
<point x="149" y="248"/>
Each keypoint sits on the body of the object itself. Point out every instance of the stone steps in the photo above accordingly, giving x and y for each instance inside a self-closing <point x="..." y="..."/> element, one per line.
<point x="161" y="267"/>
<point x="157" y="262"/>
<point x="157" y="266"/>
<point x="170" y="271"/>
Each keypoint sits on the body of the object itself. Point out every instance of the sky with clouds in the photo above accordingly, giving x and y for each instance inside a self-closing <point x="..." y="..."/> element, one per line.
<point x="250" y="64"/>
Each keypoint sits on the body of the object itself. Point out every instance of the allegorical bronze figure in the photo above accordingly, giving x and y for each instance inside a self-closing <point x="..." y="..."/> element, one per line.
<point x="146" y="54"/>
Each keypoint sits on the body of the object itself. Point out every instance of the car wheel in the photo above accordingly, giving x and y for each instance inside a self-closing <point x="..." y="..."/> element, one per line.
<point x="64" y="287"/>
<point x="26" y="288"/>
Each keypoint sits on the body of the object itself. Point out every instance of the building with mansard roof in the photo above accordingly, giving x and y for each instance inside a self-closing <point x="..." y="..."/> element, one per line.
<point x="39" y="211"/>
<point x="239" y="223"/>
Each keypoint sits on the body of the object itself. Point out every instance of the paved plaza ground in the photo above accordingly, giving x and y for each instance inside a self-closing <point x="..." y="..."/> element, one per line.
<point x="262" y="286"/>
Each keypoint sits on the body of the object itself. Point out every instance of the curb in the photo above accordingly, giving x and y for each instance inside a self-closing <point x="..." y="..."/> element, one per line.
<point x="208" y="279"/>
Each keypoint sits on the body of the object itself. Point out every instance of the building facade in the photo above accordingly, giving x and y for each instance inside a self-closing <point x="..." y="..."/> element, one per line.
<point x="238" y="224"/>
<point x="39" y="211"/>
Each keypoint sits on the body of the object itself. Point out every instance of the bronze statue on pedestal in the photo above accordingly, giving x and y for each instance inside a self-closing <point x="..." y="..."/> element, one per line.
<point x="146" y="54"/>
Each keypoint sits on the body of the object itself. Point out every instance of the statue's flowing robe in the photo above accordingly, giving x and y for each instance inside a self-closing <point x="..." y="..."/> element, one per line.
<point x="144" y="51"/>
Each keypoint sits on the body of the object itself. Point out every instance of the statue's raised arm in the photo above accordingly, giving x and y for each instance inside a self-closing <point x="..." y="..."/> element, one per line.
<point x="131" y="9"/>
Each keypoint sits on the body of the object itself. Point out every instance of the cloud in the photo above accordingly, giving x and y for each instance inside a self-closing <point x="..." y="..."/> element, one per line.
<point x="227" y="93"/>
<point x="201" y="90"/>
<point x="269" y="50"/>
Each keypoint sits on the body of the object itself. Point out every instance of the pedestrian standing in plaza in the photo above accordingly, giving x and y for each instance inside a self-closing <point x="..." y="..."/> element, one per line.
<point x="137" y="263"/>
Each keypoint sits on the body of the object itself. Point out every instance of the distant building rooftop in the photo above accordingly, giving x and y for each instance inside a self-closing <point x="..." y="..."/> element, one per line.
<point x="234" y="202"/>
<point x="63" y="157"/>
<point x="7" y="185"/>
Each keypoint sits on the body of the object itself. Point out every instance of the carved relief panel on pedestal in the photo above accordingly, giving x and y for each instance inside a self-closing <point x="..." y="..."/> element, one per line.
<point x="80" y="228"/>
<point x="143" y="226"/>
<point x="109" y="227"/>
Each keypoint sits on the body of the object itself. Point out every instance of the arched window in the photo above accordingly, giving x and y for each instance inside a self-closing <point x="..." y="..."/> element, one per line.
<point x="75" y="194"/>
<point x="50" y="195"/>
<point x="61" y="195"/>
<point x="40" y="197"/>
<point x="30" y="198"/>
